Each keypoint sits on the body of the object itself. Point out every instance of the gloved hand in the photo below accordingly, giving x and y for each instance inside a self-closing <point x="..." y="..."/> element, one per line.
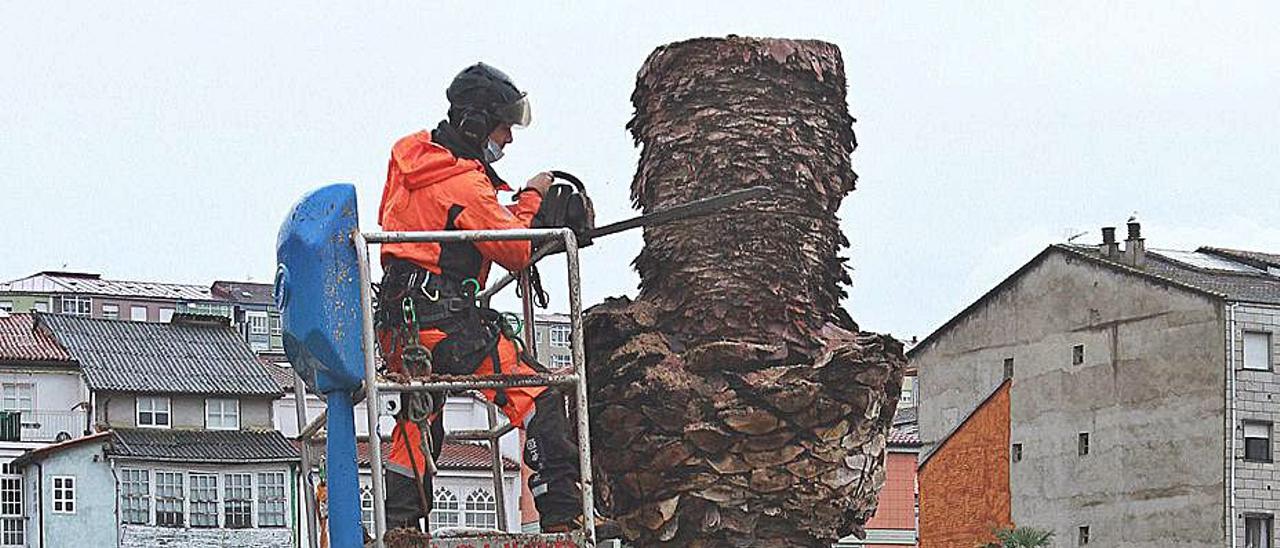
<point x="541" y="183"/>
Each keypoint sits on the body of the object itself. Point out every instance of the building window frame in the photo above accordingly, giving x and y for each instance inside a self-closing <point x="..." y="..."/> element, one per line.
<point x="1077" y="354"/>
<point x="133" y="313"/>
<point x="1259" y="528"/>
<point x="561" y="361"/>
<point x="1262" y="449"/>
<point x="75" y="305"/>
<point x="64" y="494"/>
<point x="202" y="500"/>
<point x="1082" y="444"/>
<point x="257" y="322"/>
<point x="170" y="498"/>
<point x="1249" y="359"/>
<point x="1008" y="368"/>
<point x="445" y="510"/>
<point x="13" y="531"/>
<point x="237" y="500"/>
<point x="559" y="336"/>
<point x="275" y="323"/>
<point x="481" y="509"/>
<point x="6" y="306"/>
<point x="153" y="412"/>
<point x="135" y="496"/>
<point x="165" y="314"/>
<point x="1015" y="452"/>
<point x="272" y="500"/>
<point x="18" y="396"/>
<point x="1082" y="535"/>
<point x="110" y="311"/>
<point x="222" y="413"/>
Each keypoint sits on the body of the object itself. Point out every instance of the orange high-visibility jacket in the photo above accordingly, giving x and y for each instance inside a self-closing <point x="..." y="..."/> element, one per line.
<point x="428" y="188"/>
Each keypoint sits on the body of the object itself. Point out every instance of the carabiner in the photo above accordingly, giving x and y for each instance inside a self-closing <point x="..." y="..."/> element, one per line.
<point x="410" y="315"/>
<point x="433" y="297"/>
<point x="475" y="285"/>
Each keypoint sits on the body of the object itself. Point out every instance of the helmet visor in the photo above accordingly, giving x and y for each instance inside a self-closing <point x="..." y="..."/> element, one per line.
<point x="517" y="113"/>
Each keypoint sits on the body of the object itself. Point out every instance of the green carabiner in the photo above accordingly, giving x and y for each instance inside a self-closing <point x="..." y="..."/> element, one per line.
<point x="475" y="286"/>
<point x="410" y="315"/>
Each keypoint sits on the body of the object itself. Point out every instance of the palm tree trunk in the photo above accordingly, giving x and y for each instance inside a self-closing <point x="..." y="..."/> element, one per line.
<point x="735" y="403"/>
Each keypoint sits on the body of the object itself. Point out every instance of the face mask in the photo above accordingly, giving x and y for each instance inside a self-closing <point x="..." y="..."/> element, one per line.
<point x="492" y="152"/>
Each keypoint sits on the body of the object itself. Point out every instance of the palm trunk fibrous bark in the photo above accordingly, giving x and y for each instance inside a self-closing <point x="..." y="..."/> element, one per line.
<point x="735" y="402"/>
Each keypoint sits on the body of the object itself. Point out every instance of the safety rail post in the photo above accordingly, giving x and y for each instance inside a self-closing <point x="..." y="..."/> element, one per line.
<point x="577" y="379"/>
<point x="373" y="405"/>
<point x="499" y="483"/>
<point x="310" y="504"/>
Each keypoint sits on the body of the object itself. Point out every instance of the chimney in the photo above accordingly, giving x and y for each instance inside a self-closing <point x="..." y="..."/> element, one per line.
<point x="1135" y="247"/>
<point x="1110" y="248"/>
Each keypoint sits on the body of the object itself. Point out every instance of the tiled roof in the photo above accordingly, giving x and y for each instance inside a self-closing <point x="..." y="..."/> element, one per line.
<point x="202" y="445"/>
<point x="1224" y="275"/>
<point x="188" y="358"/>
<point x="904" y="435"/>
<point x="20" y="341"/>
<point x="242" y="292"/>
<point x="93" y="284"/>
<point x="42" y="452"/>
<point x="1254" y="258"/>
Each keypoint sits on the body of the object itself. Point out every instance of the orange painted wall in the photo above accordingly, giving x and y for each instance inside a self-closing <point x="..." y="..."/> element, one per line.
<point x="897" y="508"/>
<point x="964" y="485"/>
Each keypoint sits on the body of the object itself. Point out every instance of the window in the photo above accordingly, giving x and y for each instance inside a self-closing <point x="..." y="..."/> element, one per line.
<point x="238" y="501"/>
<point x="1008" y="368"/>
<point x="1257" y="351"/>
<point x="481" y="509"/>
<point x="1016" y="452"/>
<point x="111" y="311"/>
<point x="17" y="396"/>
<point x="42" y="307"/>
<point x="153" y="412"/>
<point x="169" y="499"/>
<point x="64" y="494"/>
<point x="1257" y="531"/>
<point x="560" y="336"/>
<point x="275" y="330"/>
<point x="138" y="313"/>
<point x="6" y="306"/>
<point x="561" y="361"/>
<point x="444" y="511"/>
<point x="166" y="315"/>
<point x="1077" y="354"/>
<point x="1082" y="444"/>
<point x="1257" y="441"/>
<point x="75" y="305"/>
<point x="257" y="322"/>
<point x="1082" y="537"/>
<point x="204" y="500"/>
<point x="271" y="499"/>
<point x="366" y="507"/>
<point x="12" y="523"/>
<point x="135" y="496"/>
<point x="222" y="414"/>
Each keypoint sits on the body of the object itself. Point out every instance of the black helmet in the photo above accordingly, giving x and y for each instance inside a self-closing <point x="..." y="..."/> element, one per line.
<point x="481" y="97"/>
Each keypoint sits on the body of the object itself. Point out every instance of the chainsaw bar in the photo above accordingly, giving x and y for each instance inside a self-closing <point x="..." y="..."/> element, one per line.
<point x="695" y="208"/>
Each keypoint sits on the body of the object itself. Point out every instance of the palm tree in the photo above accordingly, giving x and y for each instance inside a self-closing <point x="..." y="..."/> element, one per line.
<point x="734" y="402"/>
<point x="1020" y="537"/>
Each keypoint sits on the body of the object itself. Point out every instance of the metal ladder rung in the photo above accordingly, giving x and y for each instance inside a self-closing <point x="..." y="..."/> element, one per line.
<point x="481" y="382"/>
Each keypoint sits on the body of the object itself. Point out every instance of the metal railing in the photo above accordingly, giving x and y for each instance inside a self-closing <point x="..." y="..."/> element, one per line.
<point x="41" y="426"/>
<point x="556" y="239"/>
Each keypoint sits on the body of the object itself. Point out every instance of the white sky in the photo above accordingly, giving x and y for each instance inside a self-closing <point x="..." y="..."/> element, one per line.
<point x="167" y="141"/>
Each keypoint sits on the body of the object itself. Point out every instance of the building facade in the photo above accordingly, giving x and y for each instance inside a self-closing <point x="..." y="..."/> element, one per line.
<point x="1140" y="386"/>
<point x="185" y="452"/>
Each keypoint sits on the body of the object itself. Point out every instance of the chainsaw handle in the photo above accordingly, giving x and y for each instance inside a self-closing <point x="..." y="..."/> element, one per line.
<point x="571" y="178"/>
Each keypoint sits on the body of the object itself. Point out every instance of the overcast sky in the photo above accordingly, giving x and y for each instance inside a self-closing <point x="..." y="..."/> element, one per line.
<point x="166" y="141"/>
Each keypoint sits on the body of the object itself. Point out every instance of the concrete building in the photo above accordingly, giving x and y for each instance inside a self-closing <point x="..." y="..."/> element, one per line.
<point x="43" y="401"/>
<point x="185" y="452"/>
<point x="1140" y="409"/>
<point x="89" y="295"/>
<point x="253" y="312"/>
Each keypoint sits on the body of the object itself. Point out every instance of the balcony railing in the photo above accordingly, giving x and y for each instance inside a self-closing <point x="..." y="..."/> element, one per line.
<point x="41" y="426"/>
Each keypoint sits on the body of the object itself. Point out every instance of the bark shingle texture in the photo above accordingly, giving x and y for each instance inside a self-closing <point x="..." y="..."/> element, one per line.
<point x="734" y="402"/>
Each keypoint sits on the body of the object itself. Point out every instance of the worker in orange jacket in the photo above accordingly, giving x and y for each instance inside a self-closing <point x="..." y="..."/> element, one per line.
<point x="444" y="180"/>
